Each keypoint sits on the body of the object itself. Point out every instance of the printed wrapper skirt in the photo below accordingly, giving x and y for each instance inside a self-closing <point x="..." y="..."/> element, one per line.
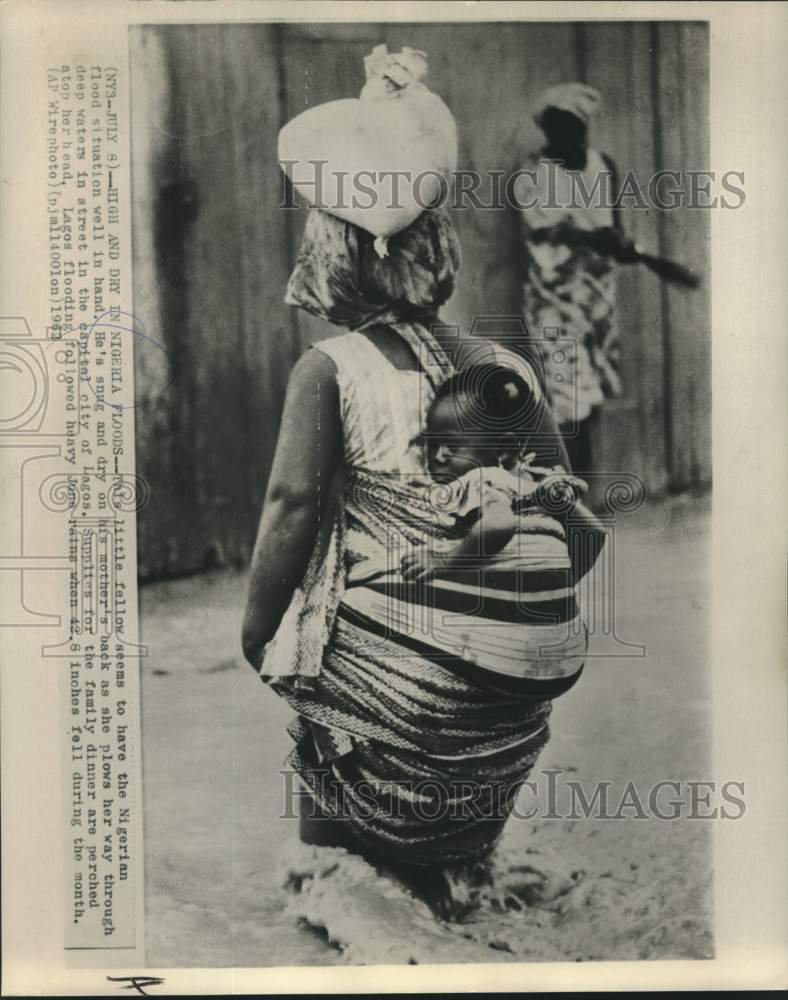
<point x="422" y="764"/>
<point x="395" y="734"/>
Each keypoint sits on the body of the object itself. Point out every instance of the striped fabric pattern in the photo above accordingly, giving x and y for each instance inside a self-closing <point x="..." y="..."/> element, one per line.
<point x="510" y="619"/>
<point x="423" y="764"/>
<point x="402" y="734"/>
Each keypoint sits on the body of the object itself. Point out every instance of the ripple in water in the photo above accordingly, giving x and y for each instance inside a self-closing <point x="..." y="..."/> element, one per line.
<point x="520" y="906"/>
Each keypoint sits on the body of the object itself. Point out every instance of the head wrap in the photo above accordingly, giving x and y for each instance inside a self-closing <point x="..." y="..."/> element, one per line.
<point x="578" y="99"/>
<point x="340" y="277"/>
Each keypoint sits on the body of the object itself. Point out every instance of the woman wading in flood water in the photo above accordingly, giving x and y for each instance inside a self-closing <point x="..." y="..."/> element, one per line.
<point x="386" y="732"/>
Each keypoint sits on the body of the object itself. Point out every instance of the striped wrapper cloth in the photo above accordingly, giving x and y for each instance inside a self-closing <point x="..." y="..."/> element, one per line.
<point x="401" y="733"/>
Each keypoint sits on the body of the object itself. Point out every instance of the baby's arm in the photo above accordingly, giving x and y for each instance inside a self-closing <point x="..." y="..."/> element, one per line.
<point x="492" y="530"/>
<point x="559" y="496"/>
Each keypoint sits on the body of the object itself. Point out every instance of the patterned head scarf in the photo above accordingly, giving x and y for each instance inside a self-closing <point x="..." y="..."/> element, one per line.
<point x="578" y="99"/>
<point x="340" y="277"/>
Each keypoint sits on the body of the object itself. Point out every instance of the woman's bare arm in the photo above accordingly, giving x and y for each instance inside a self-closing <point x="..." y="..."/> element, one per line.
<point x="609" y="241"/>
<point x="308" y="453"/>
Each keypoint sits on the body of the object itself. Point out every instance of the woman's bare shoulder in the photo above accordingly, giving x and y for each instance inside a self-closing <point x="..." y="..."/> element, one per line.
<point x="338" y="348"/>
<point x="312" y="400"/>
<point x="314" y="364"/>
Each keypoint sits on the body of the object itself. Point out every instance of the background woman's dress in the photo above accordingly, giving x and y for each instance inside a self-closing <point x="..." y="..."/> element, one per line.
<point x="569" y="298"/>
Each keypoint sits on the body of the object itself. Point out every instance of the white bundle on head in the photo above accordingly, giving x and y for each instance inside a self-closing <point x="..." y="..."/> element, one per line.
<point x="379" y="160"/>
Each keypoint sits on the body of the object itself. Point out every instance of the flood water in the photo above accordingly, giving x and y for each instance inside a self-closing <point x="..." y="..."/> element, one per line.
<point x="228" y="884"/>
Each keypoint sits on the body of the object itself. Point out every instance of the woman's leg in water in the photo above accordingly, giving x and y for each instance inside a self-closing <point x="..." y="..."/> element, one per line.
<point x="318" y="829"/>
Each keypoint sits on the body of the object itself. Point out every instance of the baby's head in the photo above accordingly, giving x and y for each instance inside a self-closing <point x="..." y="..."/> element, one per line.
<point x="474" y="419"/>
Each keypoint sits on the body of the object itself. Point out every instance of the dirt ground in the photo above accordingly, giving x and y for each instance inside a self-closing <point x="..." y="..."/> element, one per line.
<point x="214" y="740"/>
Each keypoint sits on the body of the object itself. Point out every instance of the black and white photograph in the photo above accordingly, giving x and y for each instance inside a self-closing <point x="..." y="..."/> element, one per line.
<point x="424" y="572"/>
<point x="391" y="496"/>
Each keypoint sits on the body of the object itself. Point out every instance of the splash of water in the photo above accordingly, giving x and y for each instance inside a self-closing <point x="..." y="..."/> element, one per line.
<point x="369" y="916"/>
<point x="519" y="906"/>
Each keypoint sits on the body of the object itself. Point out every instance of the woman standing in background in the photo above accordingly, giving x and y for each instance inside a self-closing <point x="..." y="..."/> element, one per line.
<point x="573" y="239"/>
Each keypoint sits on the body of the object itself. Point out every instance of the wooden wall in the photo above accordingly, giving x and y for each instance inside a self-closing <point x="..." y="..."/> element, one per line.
<point x="212" y="250"/>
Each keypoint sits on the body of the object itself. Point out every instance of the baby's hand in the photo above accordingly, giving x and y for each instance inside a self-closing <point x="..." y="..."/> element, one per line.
<point x="421" y="566"/>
